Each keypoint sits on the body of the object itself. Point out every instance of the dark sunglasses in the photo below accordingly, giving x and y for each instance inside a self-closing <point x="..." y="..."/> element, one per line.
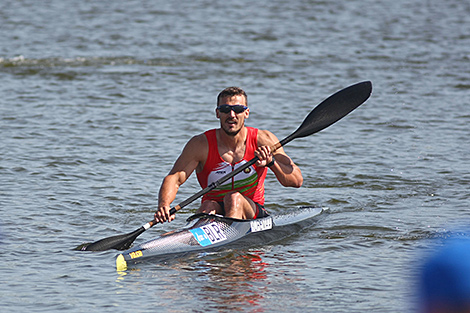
<point x="226" y="108"/>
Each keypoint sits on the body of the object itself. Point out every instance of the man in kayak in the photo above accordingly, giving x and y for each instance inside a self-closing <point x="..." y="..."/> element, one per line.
<point x="217" y="152"/>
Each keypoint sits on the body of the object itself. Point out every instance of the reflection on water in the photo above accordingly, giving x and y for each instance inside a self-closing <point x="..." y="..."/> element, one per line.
<point x="227" y="281"/>
<point x="232" y="280"/>
<point x="223" y="281"/>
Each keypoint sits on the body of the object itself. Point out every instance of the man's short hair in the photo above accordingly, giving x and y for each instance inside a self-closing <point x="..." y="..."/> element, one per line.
<point x="230" y="92"/>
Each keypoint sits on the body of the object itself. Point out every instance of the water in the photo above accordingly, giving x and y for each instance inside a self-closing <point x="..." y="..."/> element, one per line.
<point x="99" y="97"/>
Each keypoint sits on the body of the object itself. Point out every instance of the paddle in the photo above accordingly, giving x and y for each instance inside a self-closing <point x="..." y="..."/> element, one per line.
<point x="325" y="114"/>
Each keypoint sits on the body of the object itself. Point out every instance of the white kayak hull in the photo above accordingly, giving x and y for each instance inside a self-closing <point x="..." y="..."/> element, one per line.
<point x="207" y="232"/>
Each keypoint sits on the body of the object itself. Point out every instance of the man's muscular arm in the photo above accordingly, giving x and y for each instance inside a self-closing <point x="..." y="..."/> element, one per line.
<point x="287" y="173"/>
<point x="194" y="154"/>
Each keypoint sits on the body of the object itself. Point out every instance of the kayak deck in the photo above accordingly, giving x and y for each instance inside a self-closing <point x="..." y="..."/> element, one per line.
<point x="205" y="231"/>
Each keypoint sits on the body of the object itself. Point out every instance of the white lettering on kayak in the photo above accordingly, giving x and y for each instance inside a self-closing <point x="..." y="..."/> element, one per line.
<point x="261" y="224"/>
<point x="208" y="234"/>
<point x="214" y="232"/>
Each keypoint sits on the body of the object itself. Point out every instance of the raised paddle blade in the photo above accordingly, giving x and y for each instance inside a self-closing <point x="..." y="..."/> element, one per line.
<point x="332" y="110"/>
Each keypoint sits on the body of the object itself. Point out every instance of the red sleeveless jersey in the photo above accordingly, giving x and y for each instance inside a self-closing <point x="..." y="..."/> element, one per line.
<point x="249" y="182"/>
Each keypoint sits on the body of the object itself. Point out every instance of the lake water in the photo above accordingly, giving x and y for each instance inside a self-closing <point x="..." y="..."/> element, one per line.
<point x="99" y="97"/>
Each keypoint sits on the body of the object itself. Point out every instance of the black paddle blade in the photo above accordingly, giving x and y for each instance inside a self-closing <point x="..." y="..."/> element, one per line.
<point x="119" y="242"/>
<point x="332" y="109"/>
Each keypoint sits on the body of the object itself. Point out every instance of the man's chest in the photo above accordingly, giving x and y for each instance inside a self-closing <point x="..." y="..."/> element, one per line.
<point x="232" y="156"/>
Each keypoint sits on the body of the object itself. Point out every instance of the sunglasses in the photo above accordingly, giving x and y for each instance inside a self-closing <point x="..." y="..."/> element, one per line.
<point x="226" y="108"/>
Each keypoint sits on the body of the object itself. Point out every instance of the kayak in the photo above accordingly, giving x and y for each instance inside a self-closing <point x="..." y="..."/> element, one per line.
<point x="208" y="232"/>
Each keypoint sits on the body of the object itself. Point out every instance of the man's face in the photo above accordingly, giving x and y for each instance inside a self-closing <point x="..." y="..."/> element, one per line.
<point x="231" y="122"/>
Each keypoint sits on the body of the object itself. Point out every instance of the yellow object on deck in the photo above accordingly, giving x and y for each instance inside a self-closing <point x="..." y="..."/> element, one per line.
<point x="121" y="264"/>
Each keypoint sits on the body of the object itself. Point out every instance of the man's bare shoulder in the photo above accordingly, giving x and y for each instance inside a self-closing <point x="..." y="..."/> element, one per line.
<point x="266" y="138"/>
<point x="200" y="138"/>
<point x="197" y="146"/>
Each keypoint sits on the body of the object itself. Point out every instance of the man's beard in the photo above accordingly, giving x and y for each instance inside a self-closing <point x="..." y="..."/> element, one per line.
<point x="232" y="133"/>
